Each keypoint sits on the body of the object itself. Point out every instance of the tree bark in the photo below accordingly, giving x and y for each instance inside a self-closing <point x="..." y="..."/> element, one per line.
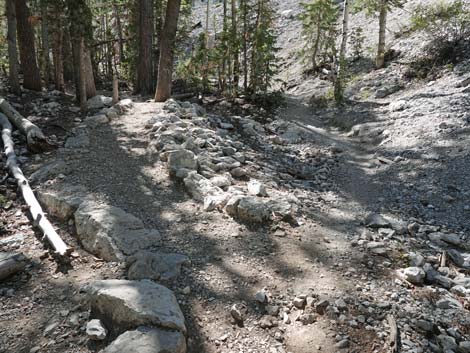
<point x="236" y="61"/>
<point x="29" y="65"/>
<point x="57" y="54"/>
<point x="380" y="60"/>
<point x="89" y="76"/>
<point x="36" y="140"/>
<point x="37" y="214"/>
<point x="12" y="49"/>
<point x="82" y="81"/>
<point x="119" y="31"/>
<point x="144" y="78"/>
<point x="338" y="89"/>
<point x="245" y="45"/>
<point x="116" y="55"/>
<point x="45" y="42"/>
<point x="11" y="263"/>
<point x="167" y="44"/>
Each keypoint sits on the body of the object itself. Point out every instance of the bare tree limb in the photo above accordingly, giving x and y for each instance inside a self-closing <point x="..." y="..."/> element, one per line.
<point x="394" y="338"/>
<point x="37" y="141"/>
<point x="37" y="214"/>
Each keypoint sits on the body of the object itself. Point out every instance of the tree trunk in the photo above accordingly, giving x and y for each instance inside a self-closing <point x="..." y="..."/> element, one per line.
<point x="58" y="48"/>
<point x="29" y="65"/>
<point x="89" y="76"/>
<point x="380" y="60"/>
<point x="119" y="31"/>
<point x="144" y="82"/>
<point x="67" y="55"/>
<point x="58" y="60"/>
<point x="236" y="62"/>
<point x="45" y="42"/>
<point x="316" y="44"/>
<point x="116" y="55"/>
<point x="82" y="81"/>
<point x="205" y="72"/>
<point x="11" y="263"/>
<point x="12" y="50"/>
<point x="167" y="44"/>
<point x="245" y="45"/>
<point x="338" y="89"/>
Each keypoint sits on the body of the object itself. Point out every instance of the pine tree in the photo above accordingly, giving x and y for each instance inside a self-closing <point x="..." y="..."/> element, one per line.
<point x="380" y="7"/>
<point x="318" y="19"/>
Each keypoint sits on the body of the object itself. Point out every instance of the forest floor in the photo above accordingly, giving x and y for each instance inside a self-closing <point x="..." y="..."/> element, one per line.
<point x="334" y="176"/>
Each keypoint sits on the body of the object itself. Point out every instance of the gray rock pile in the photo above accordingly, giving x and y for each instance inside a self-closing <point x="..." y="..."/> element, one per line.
<point x="208" y="156"/>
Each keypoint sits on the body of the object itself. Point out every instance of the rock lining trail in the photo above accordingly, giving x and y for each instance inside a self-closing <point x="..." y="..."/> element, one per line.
<point x="267" y="235"/>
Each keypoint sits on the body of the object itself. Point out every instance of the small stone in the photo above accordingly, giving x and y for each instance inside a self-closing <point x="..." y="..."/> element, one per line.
<point x="238" y="172"/>
<point x="414" y="275"/>
<point x="285" y="318"/>
<point x="341" y="304"/>
<point x="186" y="290"/>
<point x="261" y="297"/>
<point x="272" y="310"/>
<point x="50" y="328"/>
<point x="321" y="306"/>
<point x="95" y="330"/>
<point x="375" y="220"/>
<point x="342" y="344"/>
<point x="464" y="346"/>
<point x="35" y="349"/>
<point x="307" y="319"/>
<point x="299" y="302"/>
<point x="267" y="322"/>
<point x="256" y="188"/>
<point x="447" y="342"/>
<point x="416" y="259"/>
<point x="236" y="313"/>
<point x="448" y="303"/>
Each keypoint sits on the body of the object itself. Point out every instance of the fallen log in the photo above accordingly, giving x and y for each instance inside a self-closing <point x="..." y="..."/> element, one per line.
<point x="37" y="214"/>
<point x="37" y="141"/>
<point x="11" y="263"/>
<point x="394" y="339"/>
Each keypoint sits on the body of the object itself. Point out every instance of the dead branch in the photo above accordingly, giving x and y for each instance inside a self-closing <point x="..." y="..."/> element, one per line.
<point x="37" y="141"/>
<point x="11" y="263"/>
<point x="35" y="209"/>
<point x="394" y="339"/>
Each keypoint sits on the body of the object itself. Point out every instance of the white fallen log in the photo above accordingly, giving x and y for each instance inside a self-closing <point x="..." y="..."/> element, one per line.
<point x="11" y="263"/>
<point x="37" y="214"/>
<point x="35" y="138"/>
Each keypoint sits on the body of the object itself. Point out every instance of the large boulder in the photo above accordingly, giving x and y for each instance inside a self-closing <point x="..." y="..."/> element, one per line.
<point x="199" y="187"/>
<point x="99" y="101"/>
<point x="123" y="305"/>
<point x="111" y="233"/>
<point x="155" y="265"/>
<point x="252" y="209"/>
<point x="180" y="162"/>
<point x="148" y="340"/>
<point x="62" y="202"/>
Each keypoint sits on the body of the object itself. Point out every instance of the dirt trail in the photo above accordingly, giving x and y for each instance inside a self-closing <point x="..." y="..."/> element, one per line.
<point x="231" y="261"/>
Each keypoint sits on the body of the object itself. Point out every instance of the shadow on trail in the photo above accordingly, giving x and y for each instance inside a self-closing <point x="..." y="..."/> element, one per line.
<point x="229" y="261"/>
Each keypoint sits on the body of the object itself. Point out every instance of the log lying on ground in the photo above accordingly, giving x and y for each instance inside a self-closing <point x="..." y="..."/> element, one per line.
<point x="11" y="263"/>
<point x="37" y="141"/>
<point x="37" y="214"/>
<point x="394" y="339"/>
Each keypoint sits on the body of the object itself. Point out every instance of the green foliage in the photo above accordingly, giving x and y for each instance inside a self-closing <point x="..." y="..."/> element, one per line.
<point x="444" y="21"/>
<point x="318" y="26"/>
<point x="216" y="67"/>
<point x="357" y="42"/>
<point x="447" y="27"/>
<point x="263" y="48"/>
<point x="372" y="7"/>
